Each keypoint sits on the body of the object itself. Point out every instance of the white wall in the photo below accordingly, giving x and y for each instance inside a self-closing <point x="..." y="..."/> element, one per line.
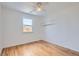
<point x="13" y="34"/>
<point x="65" y="31"/>
<point x="0" y="30"/>
<point x="0" y="26"/>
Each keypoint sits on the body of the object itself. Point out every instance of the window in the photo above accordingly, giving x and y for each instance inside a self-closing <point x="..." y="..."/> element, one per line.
<point x="27" y="25"/>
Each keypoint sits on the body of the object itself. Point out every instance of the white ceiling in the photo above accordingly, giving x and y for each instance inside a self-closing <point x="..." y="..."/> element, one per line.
<point x="27" y="7"/>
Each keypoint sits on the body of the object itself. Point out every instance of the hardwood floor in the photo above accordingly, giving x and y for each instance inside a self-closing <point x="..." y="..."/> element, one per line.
<point x="38" y="48"/>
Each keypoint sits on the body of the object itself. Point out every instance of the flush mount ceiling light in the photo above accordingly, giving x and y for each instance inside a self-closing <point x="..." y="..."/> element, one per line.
<point x="39" y="6"/>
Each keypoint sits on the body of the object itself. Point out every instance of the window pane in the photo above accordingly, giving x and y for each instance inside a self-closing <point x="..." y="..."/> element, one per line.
<point x="27" y="25"/>
<point x="27" y="29"/>
<point x="27" y="21"/>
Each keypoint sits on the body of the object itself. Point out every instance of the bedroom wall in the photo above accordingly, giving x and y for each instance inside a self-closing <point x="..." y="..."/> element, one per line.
<point x="1" y="29"/>
<point x="64" y="30"/>
<point x="13" y="34"/>
<point x="0" y="26"/>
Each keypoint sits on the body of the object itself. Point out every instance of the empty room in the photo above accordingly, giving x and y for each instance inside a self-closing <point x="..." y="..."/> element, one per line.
<point x="39" y="28"/>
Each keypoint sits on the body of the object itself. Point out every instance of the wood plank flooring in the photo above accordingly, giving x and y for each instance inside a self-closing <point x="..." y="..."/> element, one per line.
<point x="38" y="48"/>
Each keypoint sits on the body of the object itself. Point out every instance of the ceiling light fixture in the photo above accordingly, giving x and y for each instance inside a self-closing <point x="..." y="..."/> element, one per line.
<point x="39" y="6"/>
